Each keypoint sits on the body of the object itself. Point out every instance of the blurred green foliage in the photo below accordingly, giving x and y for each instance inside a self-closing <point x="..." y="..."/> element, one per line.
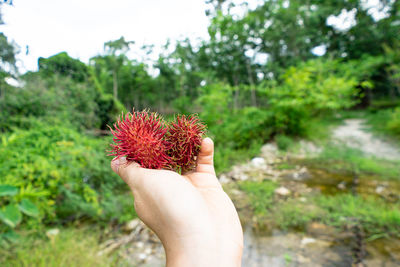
<point x="393" y="125"/>
<point x="72" y="247"/>
<point x="65" y="173"/>
<point x="283" y="142"/>
<point x="261" y="195"/>
<point x="372" y="214"/>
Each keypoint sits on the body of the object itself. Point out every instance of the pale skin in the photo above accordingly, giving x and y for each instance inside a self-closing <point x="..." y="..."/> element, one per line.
<point x="194" y="218"/>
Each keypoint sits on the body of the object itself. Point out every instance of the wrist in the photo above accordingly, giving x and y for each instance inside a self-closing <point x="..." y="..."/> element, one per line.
<point x="198" y="251"/>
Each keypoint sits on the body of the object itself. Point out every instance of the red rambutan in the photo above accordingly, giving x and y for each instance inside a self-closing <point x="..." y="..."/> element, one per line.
<point x="185" y="135"/>
<point x="140" y="137"/>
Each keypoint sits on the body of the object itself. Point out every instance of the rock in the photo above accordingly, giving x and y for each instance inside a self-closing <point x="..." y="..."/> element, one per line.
<point x="269" y="150"/>
<point x="379" y="189"/>
<point x="142" y="256"/>
<point x="52" y="233"/>
<point x="307" y="240"/>
<point x="316" y="227"/>
<point x="304" y="172"/>
<point x="131" y="225"/>
<point x="303" y="199"/>
<point x="321" y="230"/>
<point x="302" y="259"/>
<point x="223" y="179"/>
<point x="307" y="147"/>
<point x="282" y="191"/>
<point x="342" y="185"/>
<point x="300" y="174"/>
<point x="241" y="177"/>
<point x="148" y="251"/>
<point x="258" y="162"/>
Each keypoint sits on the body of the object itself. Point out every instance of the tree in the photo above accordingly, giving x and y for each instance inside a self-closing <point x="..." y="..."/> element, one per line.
<point x="115" y="57"/>
<point x="63" y="65"/>
<point x="8" y="51"/>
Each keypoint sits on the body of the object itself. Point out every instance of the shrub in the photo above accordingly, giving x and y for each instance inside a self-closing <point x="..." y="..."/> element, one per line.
<point x="393" y="124"/>
<point x="283" y="142"/>
<point x="58" y="100"/>
<point x="67" y="175"/>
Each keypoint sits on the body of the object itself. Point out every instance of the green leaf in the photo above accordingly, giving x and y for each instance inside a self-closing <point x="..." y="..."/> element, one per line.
<point x="11" y="215"/>
<point x="10" y="236"/>
<point x="8" y="190"/>
<point x="27" y="207"/>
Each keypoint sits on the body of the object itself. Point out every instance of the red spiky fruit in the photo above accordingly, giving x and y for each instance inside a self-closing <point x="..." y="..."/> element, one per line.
<point x="140" y="137"/>
<point x="185" y="134"/>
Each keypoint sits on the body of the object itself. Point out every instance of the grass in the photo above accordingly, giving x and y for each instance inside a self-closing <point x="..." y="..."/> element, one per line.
<point x="374" y="215"/>
<point x="319" y="128"/>
<point x="260" y="195"/>
<point x="72" y="247"/>
<point x="285" y="166"/>
<point x="344" y="159"/>
<point x="385" y="124"/>
<point x="294" y="214"/>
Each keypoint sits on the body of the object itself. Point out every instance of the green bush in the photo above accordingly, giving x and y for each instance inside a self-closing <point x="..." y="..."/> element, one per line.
<point x="58" y="100"/>
<point x="243" y="128"/>
<point x="12" y="208"/>
<point x="283" y="142"/>
<point x="66" y="174"/>
<point x="393" y="124"/>
<point x="311" y="88"/>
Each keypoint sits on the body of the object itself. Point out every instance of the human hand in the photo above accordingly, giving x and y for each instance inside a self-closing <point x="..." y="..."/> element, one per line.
<point x="191" y="214"/>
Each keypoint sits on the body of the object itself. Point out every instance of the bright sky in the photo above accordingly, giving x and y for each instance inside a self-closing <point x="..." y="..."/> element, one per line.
<point x="81" y="27"/>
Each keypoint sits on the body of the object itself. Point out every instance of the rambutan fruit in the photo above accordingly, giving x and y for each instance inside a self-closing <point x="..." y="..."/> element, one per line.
<point x="185" y="135"/>
<point x="140" y="137"/>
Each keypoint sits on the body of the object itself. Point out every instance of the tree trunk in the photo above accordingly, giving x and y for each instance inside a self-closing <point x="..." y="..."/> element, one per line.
<point x="136" y="100"/>
<point x="115" y="85"/>
<point x="251" y="81"/>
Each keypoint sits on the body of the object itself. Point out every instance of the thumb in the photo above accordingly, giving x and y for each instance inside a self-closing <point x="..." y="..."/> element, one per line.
<point x="124" y="169"/>
<point x="205" y="159"/>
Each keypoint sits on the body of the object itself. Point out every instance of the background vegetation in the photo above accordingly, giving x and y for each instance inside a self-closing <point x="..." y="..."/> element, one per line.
<point x="53" y="128"/>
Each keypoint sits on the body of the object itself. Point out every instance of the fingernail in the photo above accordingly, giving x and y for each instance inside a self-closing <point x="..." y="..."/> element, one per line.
<point x="117" y="162"/>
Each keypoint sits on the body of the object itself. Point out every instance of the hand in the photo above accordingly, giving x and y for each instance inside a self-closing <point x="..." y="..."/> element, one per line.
<point x="191" y="214"/>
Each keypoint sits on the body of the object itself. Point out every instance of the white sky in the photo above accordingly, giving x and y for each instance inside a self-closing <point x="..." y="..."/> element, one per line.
<point x="81" y="27"/>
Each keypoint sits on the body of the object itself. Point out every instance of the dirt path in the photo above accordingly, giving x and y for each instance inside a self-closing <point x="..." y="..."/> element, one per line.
<point x="353" y="134"/>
